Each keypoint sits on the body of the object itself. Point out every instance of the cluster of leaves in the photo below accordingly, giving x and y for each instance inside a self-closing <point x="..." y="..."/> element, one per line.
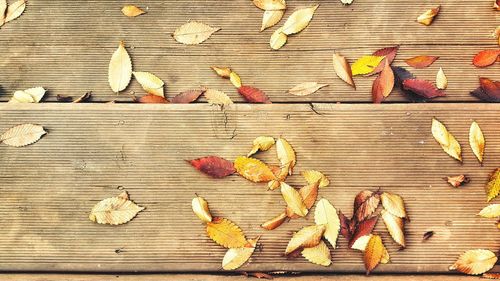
<point x="11" y="12"/>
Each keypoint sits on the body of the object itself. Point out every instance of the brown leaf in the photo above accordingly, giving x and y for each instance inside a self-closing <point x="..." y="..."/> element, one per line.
<point x="226" y="233"/>
<point x="83" y="98"/>
<point x="457" y="181"/>
<point x="389" y="55"/>
<point x="213" y="166"/>
<point x="365" y="203"/>
<point x="428" y="17"/>
<point x="253" y="95"/>
<point x="374" y="253"/>
<point x="132" y="11"/>
<point x="486" y="58"/>
<point x="187" y="96"/>
<point x="427" y="235"/>
<point x="343" y="69"/>
<point x="422" y="88"/>
<point x="383" y="84"/>
<point x="63" y="98"/>
<point x="307" y="237"/>
<point x="274" y="222"/>
<point x="421" y="61"/>
<point x="152" y="99"/>
<point x="345" y="226"/>
<point x="363" y="228"/>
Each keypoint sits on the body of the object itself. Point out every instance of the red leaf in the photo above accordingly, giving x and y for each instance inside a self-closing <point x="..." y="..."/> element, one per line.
<point x="363" y="228"/>
<point x="253" y="95"/>
<point x="489" y="90"/>
<point x="389" y="53"/>
<point x="214" y="166"/>
<point x="383" y="85"/>
<point x="365" y="203"/>
<point x="421" y="61"/>
<point x="345" y="226"/>
<point x="486" y="58"/>
<point x="423" y="88"/>
<point x="152" y="99"/>
<point x="187" y="96"/>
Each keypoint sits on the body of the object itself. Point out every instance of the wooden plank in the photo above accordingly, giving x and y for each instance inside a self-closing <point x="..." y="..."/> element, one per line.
<point x="66" y="47"/>
<point x="93" y="151"/>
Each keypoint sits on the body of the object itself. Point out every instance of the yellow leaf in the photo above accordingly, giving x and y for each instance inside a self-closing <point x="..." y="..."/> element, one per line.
<point x="299" y="20"/>
<point x="22" y="135"/>
<point x="270" y="5"/>
<point x="115" y="210"/>
<point x="319" y="254"/>
<point x="313" y="176"/>
<point x="428" y="17"/>
<point x="235" y="79"/>
<point x="441" y="80"/>
<point x="132" y="11"/>
<point x="362" y="242"/>
<point x="33" y="95"/>
<point x="447" y="141"/>
<point x="346" y="2"/>
<point x="343" y="69"/>
<point x="476" y="141"/>
<point x="475" y="262"/>
<point x="224" y="72"/>
<point x="253" y="169"/>
<point x="225" y="233"/>
<point x="193" y="33"/>
<point x="261" y="143"/>
<point x="217" y="97"/>
<point x="15" y="10"/>
<point x="306" y="88"/>
<point x="120" y="69"/>
<point x="236" y="257"/>
<point x="493" y="186"/>
<point x="286" y="154"/>
<point x="271" y="18"/>
<point x="150" y="83"/>
<point x="394" y="204"/>
<point x="327" y="215"/>
<point x="374" y="253"/>
<point x="200" y="208"/>
<point x="395" y="226"/>
<point x="307" y="237"/>
<point x="274" y="222"/>
<point x="293" y="200"/>
<point x="491" y="211"/>
<point x="278" y="39"/>
<point x="365" y="64"/>
<point x="3" y="9"/>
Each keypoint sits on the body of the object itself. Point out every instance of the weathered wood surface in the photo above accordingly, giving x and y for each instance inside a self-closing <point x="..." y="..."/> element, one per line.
<point x="66" y="46"/>
<point x="93" y="151"/>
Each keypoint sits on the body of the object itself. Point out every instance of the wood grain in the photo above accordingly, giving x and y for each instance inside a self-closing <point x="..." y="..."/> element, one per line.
<point x="93" y="151"/>
<point x="66" y="47"/>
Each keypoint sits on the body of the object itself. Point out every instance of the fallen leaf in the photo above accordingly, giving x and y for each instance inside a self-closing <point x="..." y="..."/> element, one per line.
<point x="193" y="33"/>
<point x="427" y="235"/>
<point x="253" y="95"/>
<point x="312" y="176"/>
<point x="400" y="75"/>
<point x="270" y="5"/>
<point x="362" y="243"/>
<point x="299" y="20"/>
<point x="3" y="9"/>
<point x="261" y="143"/>
<point x="319" y="254"/>
<point x="492" y="275"/>
<point x="307" y="237"/>
<point x="363" y="228"/>
<point x="115" y="210"/>
<point x="346" y="2"/>
<point x="475" y="262"/>
<point x="457" y="181"/>
<point x="274" y="222"/>
<point x="489" y="90"/>
<point x="447" y="141"/>
<point x="226" y="233"/>
<point x="493" y="186"/>
<point x="235" y="79"/>
<point x="365" y="204"/>
<point x="278" y="39"/>
<point x="486" y="58"/>
<point x="383" y="84"/>
<point x="132" y="11"/>
<point x="476" y="141"/>
<point x="394" y="204"/>
<point x="326" y="214"/>
<point x="422" y="88"/>
<point x="22" y="135"/>
<point x="286" y="154"/>
<point x="213" y="166"/>
<point x="63" y="98"/>
<point x="421" y="61"/>
<point x="441" y="80"/>
<point x="307" y="88"/>
<point x="345" y="226"/>
<point x="236" y="257"/>
<point x="395" y="226"/>
<point x="293" y="200"/>
<point x="152" y="99"/>
<point x="120" y="69"/>
<point x="83" y="98"/>
<point x="271" y="18"/>
<point x="200" y="209"/>
<point x="217" y="97"/>
<point x="223" y="72"/>
<point x="150" y="83"/>
<point x="491" y="211"/>
<point x="253" y="169"/>
<point x="343" y="69"/>
<point x="309" y="194"/>
<point x="187" y="96"/>
<point x="259" y="275"/>
<point x="365" y="65"/>
<point x="15" y="10"/>
<point x="428" y="17"/>
<point x="33" y="95"/>
<point x="389" y="55"/>
<point x="374" y="253"/>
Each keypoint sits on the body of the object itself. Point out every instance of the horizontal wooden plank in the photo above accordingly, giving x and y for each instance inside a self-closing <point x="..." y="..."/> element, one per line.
<point x="93" y="151"/>
<point x="66" y="47"/>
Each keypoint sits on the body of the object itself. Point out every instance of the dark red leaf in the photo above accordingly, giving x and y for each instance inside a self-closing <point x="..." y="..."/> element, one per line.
<point x="489" y="90"/>
<point x="365" y="204"/>
<point x="63" y="98"/>
<point x="421" y="61"/>
<point x="187" y="96"/>
<point x="423" y="88"/>
<point x="152" y="99"/>
<point x="389" y="53"/>
<point x="486" y="58"/>
<point x="214" y="166"/>
<point x="253" y="95"/>
<point x="363" y="228"/>
<point x="345" y="226"/>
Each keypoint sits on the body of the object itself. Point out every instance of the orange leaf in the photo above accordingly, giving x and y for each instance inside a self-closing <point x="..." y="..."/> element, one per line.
<point x="428" y="17"/>
<point x="152" y="99"/>
<point x="486" y="58"/>
<point x="374" y="252"/>
<point x="421" y="61"/>
<point x="132" y="11"/>
<point x="253" y="95"/>
<point x="225" y="233"/>
<point x="343" y="69"/>
<point x="274" y="222"/>
<point x="213" y="166"/>
<point x="383" y="85"/>
<point x="253" y="169"/>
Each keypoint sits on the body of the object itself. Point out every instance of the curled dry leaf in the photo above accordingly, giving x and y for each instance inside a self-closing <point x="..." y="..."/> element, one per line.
<point x="476" y="141"/>
<point x="365" y="65"/>
<point x="261" y="143"/>
<point x="22" y="135"/>
<point x="253" y="95"/>
<point x="236" y="257"/>
<point x="223" y="72"/>
<point x="441" y="80"/>
<point x="312" y="176"/>
<point x="307" y="237"/>
<point x="132" y="11"/>
<point x="489" y="90"/>
<point x="428" y="17"/>
<point x="365" y="204"/>
<point x="307" y="88"/>
<point x="421" y="61"/>
<point x="217" y="97"/>
<point x="278" y="39"/>
<point x="120" y="69"/>
<point x="491" y="211"/>
<point x="299" y="20"/>
<point x="150" y="83"/>
<point x="457" y="181"/>
<point x="271" y="18"/>
<point x="394" y="204"/>
<point x="193" y="33"/>
<point x="200" y="208"/>
<point x="422" y="88"/>
<point x="475" y="262"/>
<point x="270" y="5"/>
<point x="152" y="99"/>
<point x="427" y="235"/>
<point x="363" y="228"/>
<point x="447" y="141"/>
<point x="253" y="169"/>
<point x="226" y="233"/>
<point x="187" y="96"/>
<point x="374" y="253"/>
<point x="319" y="254"/>
<point x="493" y="185"/>
<point x="293" y="200"/>
<point x="115" y="210"/>
<point x="33" y="95"/>
<point x="235" y="79"/>
<point x="274" y="222"/>
<point x="286" y="154"/>
<point x="383" y="84"/>
<point x="389" y="55"/>
<point x="83" y="98"/>
<point x="395" y="226"/>
<point x="343" y="69"/>
<point x="326" y="214"/>
<point x="213" y="166"/>
<point x="486" y="58"/>
<point x="15" y="10"/>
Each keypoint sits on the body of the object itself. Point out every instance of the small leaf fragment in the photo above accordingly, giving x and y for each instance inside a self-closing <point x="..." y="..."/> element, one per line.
<point x="374" y="253"/>
<point x="383" y="84"/>
<point x="441" y="80"/>
<point x="150" y="98"/>
<point x="253" y="95"/>
<point x="422" y="88"/>
<point x="120" y="69"/>
<point x="213" y="166"/>
<point x="307" y="237"/>
<point x="312" y="176"/>
<point x="187" y="96"/>
<point x="22" y="135"/>
<point x="486" y="58"/>
<point x="115" y="210"/>
<point x="326" y="214"/>
<point x="299" y="20"/>
<point x="428" y="16"/>
<point x="343" y="69"/>
<point x="200" y="208"/>
<point x="293" y="200"/>
<point x="457" y="181"/>
<point x="493" y="185"/>
<point x="132" y="11"/>
<point x="226" y="233"/>
<point x="427" y="235"/>
<point x="307" y="88"/>
<point x="15" y="10"/>
<point x="253" y="169"/>
<point x="395" y="226"/>
<point x="235" y="79"/>
<point x="491" y="211"/>
<point x="217" y="97"/>
<point x="447" y="141"/>
<point x="319" y="254"/>
<point x="476" y="141"/>
<point x="274" y="222"/>
<point x="278" y="39"/>
<point x="236" y="257"/>
<point x="474" y="262"/>
<point x="421" y="61"/>
<point x="286" y="154"/>
<point x="365" y="65"/>
<point x="150" y="83"/>
<point x="261" y="143"/>
<point x="193" y="33"/>
<point x="271" y="18"/>
<point x="394" y="204"/>
<point x="270" y="5"/>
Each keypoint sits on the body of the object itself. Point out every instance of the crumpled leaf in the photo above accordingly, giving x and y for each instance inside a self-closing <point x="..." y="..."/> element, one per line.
<point x="395" y="226"/>
<point x="394" y="204"/>
<point x="15" y="10"/>
<point x="274" y="222"/>
<point x="299" y="20"/>
<point x="389" y="55"/>
<point x="120" y="69"/>
<point x="223" y="72"/>
<point x="22" y="135"/>
<point x="491" y="211"/>
<point x="326" y="214"/>
<point x="422" y="88"/>
<point x="150" y="83"/>
<point x="115" y="210"/>
<point x="286" y="154"/>
<point x="374" y="253"/>
<point x="193" y="33"/>
<point x="441" y="80"/>
<point x="476" y="141"/>
<point x="217" y="97"/>
<point x="475" y="262"/>
<point x="270" y="5"/>
<point x="132" y="11"/>
<point x="383" y="84"/>
<point x="213" y="166"/>
<point x="278" y="39"/>
<point x="493" y="185"/>
<point x="236" y="257"/>
<point x="150" y="98"/>
<point x="365" y="204"/>
<point x="319" y="254"/>
<point x="188" y="96"/>
<point x="427" y="235"/>
<point x="307" y="237"/>
<point x="428" y="17"/>
<point x="271" y="18"/>
<point x="421" y="61"/>
<point x="363" y="228"/>
<point x="307" y="88"/>
<point x="293" y="200"/>
<point x="365" y="65"/>
<point x="457" y="181"/>
<point x="226" y="233"/>
<point x="486" y="58"/>
<point x="488" y="90"/>
<point x="447" y="141"/>
<point x="200" y="209"/>
<point x="253" y="95"/>
<point x="235" y="79"/>
<point x="261" y="143"/>
<point x="253" y="169"/>
<point x="32" y="95"/>
<point x="343" y="69"/>
<point x="312" y="176"/>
